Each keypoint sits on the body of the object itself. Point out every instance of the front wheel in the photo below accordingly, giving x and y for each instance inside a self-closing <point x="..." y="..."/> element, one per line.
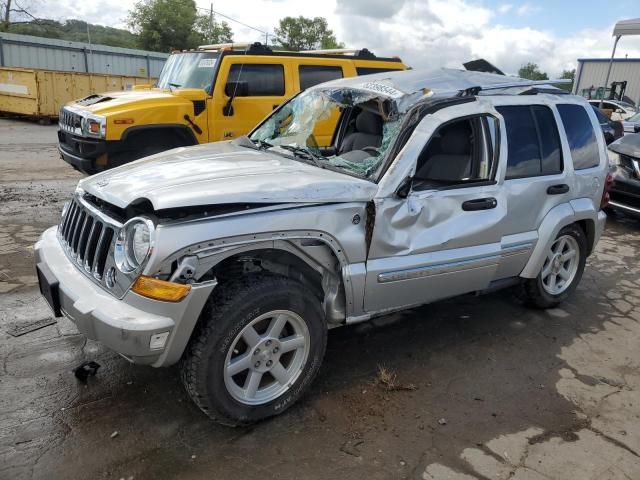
<point x="259" y="346"/>
<point x="561" y="271"/>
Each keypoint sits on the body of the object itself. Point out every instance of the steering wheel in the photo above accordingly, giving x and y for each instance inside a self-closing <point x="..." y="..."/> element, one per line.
<point x="373" y="150"/>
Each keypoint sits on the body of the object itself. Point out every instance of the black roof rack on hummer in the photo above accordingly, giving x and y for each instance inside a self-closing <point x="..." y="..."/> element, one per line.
<point x="257" y="48"/>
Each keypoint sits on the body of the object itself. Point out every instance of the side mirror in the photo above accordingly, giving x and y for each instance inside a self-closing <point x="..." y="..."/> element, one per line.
<point x="233" y="90"/>
<point x="404" y="188"/>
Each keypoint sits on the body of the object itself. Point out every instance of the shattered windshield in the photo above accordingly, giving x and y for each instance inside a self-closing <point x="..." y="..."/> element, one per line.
<point x="342" y="129"/>
<point x="189" y="70"/>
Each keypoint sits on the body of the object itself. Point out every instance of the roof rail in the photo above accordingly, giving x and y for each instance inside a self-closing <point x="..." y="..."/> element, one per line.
<point x="356" y="52"/>
<point x="334" y="51"/>
<point x="522" y="83"/>
<point x="224" y="46"/>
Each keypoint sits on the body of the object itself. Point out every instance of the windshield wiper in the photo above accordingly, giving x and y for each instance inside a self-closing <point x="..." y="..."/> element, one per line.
<point x="174" y="85"/>
<point x="261" y="144"/>
<point x="304" y="153"/>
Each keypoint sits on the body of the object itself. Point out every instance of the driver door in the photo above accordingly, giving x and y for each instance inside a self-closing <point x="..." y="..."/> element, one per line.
<point x="444" y="238"/>
<point x="269" y="83"/>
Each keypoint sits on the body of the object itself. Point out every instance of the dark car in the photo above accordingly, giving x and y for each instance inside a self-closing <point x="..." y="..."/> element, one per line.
<point x="613" y="130"/>
<point x="624" y="157"/>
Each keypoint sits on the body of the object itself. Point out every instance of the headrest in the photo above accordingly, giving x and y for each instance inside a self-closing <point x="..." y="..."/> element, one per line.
<point x="455" y="141"/>
<point x="368" y="122"/>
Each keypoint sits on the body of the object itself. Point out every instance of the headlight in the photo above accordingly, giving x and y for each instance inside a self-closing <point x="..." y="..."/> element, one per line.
<point x="614" y="158"/>
<point x="94" y="126"/>
<point x="134" y="244"/>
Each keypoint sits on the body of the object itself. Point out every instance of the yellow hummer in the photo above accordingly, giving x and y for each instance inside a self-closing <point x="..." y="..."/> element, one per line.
<point x="216" y="92"/>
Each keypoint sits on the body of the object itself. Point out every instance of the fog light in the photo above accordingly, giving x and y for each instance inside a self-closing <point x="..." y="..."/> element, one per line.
<point x="158" y="340"/>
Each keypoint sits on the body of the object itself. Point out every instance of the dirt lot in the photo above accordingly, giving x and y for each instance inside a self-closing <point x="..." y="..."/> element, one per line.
<point x="500" y="391"/>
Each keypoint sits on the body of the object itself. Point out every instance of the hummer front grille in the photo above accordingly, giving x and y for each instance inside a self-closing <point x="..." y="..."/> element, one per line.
<point x="70" y="121"/>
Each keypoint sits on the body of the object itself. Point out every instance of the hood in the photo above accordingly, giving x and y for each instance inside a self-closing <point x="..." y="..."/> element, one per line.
<point x="223" y="173"/>
<point x="112" y="101"/>
<point x="628" y="145"/>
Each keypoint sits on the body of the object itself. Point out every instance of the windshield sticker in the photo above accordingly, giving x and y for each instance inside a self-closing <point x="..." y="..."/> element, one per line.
<point x="207" y="63"/>
<point x="381" y="88"/>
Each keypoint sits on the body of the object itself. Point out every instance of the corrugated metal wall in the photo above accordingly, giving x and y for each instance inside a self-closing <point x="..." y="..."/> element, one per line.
<point x="593" y="73"/>
<point x="50" y="54"/>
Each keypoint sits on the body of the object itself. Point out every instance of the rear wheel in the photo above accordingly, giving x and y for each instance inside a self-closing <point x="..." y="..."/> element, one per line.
<point x="561" y="271"/>
<point x="259" y="346"/>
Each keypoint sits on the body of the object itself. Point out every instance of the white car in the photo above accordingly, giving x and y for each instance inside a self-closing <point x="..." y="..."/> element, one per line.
<point x="619" y="110"/>
<point x="632" y="124"/>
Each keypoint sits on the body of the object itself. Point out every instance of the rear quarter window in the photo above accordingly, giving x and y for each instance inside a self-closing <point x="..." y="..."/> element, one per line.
<point x="580" y="135"/>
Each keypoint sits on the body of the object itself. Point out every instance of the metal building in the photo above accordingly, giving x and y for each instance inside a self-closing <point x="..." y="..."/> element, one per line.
<point x="27" y="51"/>
<point x="592" y="72"/>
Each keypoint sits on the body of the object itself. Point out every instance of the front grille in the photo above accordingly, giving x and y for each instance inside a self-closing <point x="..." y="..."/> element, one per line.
<point x="86" y="238"/>
<point x="70" y="121"/>
<point x="631" y="165"/>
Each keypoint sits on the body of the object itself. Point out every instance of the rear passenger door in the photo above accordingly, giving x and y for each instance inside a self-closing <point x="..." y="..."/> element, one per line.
<point x="537" y="177"/>
<point x="269" y="84"/>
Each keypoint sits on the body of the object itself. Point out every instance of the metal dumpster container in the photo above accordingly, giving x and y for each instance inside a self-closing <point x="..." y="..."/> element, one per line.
<point x="41" y="93"/>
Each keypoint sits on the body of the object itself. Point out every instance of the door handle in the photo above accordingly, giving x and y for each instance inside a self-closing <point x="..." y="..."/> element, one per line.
<point x="558" y="189"/>
<point x="479" y="204"/>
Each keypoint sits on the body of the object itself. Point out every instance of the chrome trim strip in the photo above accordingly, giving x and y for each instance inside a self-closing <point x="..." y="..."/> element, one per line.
<point x="516" y="250"/>
<point x="81" y="236"/>
<point x="624" y="207"/>
<point x="97" y="213"/>
<point x="439" y="269"/>
<point x="85" y="262"/>
<point x="98" y="252"/>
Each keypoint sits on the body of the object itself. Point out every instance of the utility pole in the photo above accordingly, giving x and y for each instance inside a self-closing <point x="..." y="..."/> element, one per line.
<point x="210" y="40"/>
<point x="6" y="15"/>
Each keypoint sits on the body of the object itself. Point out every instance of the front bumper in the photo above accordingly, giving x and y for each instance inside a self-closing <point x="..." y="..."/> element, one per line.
<point x="126" y="325"/>
<point x="87" y="154"/>
<point x="625" y="193"/>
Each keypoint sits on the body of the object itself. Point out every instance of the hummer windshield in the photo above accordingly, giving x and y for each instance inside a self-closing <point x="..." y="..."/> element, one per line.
<point x="305" y="127"/>
<point x="189" y="70"/>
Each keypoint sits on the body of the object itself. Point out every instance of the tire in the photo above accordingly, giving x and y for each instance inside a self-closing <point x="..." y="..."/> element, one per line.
<point x="230" y="315"/>
<point x="538" y="292"/>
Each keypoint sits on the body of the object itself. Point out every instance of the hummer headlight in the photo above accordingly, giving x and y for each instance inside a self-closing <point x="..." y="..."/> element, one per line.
<point x="94" y="126"/>
<point x="134" y="244"/>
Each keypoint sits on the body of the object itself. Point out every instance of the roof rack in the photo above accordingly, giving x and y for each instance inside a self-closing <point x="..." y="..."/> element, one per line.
<point x="501" y="86"/>
<point x="356" y="52"/>
<point x="224" y="46"/>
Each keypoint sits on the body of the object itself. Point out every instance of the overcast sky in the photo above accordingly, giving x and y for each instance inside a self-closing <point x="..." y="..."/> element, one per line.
<point x="424" y="33"/>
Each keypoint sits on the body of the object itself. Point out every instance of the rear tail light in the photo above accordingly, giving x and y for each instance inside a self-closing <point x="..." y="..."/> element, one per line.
<point x="605" y="193"/>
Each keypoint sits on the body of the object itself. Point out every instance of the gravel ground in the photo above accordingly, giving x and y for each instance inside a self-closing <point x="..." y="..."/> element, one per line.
<point x="500" y="391"/>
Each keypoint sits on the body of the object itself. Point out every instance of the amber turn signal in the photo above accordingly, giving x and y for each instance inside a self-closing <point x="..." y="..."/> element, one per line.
<point x="123" y="121"/>
<point x="160" y="290"/>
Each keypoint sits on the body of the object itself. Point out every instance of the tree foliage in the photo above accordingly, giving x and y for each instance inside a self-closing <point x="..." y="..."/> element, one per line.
<point x="164" y="25"/>
<point x="302" y="33"/>
<point x="76" y="31"/>
<point x="570" y="75"/>
<point x="531" y="71"/>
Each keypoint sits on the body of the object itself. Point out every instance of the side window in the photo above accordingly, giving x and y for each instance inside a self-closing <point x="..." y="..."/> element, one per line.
<point x="264" y="80"/>
<point x="580" y="135"/>
<point x="533" y="141"/>
<point x="368" y="71"/>
<point x="460" y="152"/>
<point x="311" y="75"/>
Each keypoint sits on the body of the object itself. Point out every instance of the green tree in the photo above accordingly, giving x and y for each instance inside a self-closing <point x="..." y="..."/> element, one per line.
<point x="163" y="25"/>
<point x="301" y="33"/>
<point x="207" y="30"/>
<point x="569" y="75"/>
<point x="531" y="71"/>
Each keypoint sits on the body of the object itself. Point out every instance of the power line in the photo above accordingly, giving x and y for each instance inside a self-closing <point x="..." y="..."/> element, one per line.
<point x="235" y="20"/>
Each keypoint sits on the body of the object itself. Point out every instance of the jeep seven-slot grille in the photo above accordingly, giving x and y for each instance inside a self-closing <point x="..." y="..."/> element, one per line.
<point x="86" y="238"/>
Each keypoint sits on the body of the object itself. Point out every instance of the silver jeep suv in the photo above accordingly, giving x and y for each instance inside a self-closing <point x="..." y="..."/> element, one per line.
<point x="356" y="198"/>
